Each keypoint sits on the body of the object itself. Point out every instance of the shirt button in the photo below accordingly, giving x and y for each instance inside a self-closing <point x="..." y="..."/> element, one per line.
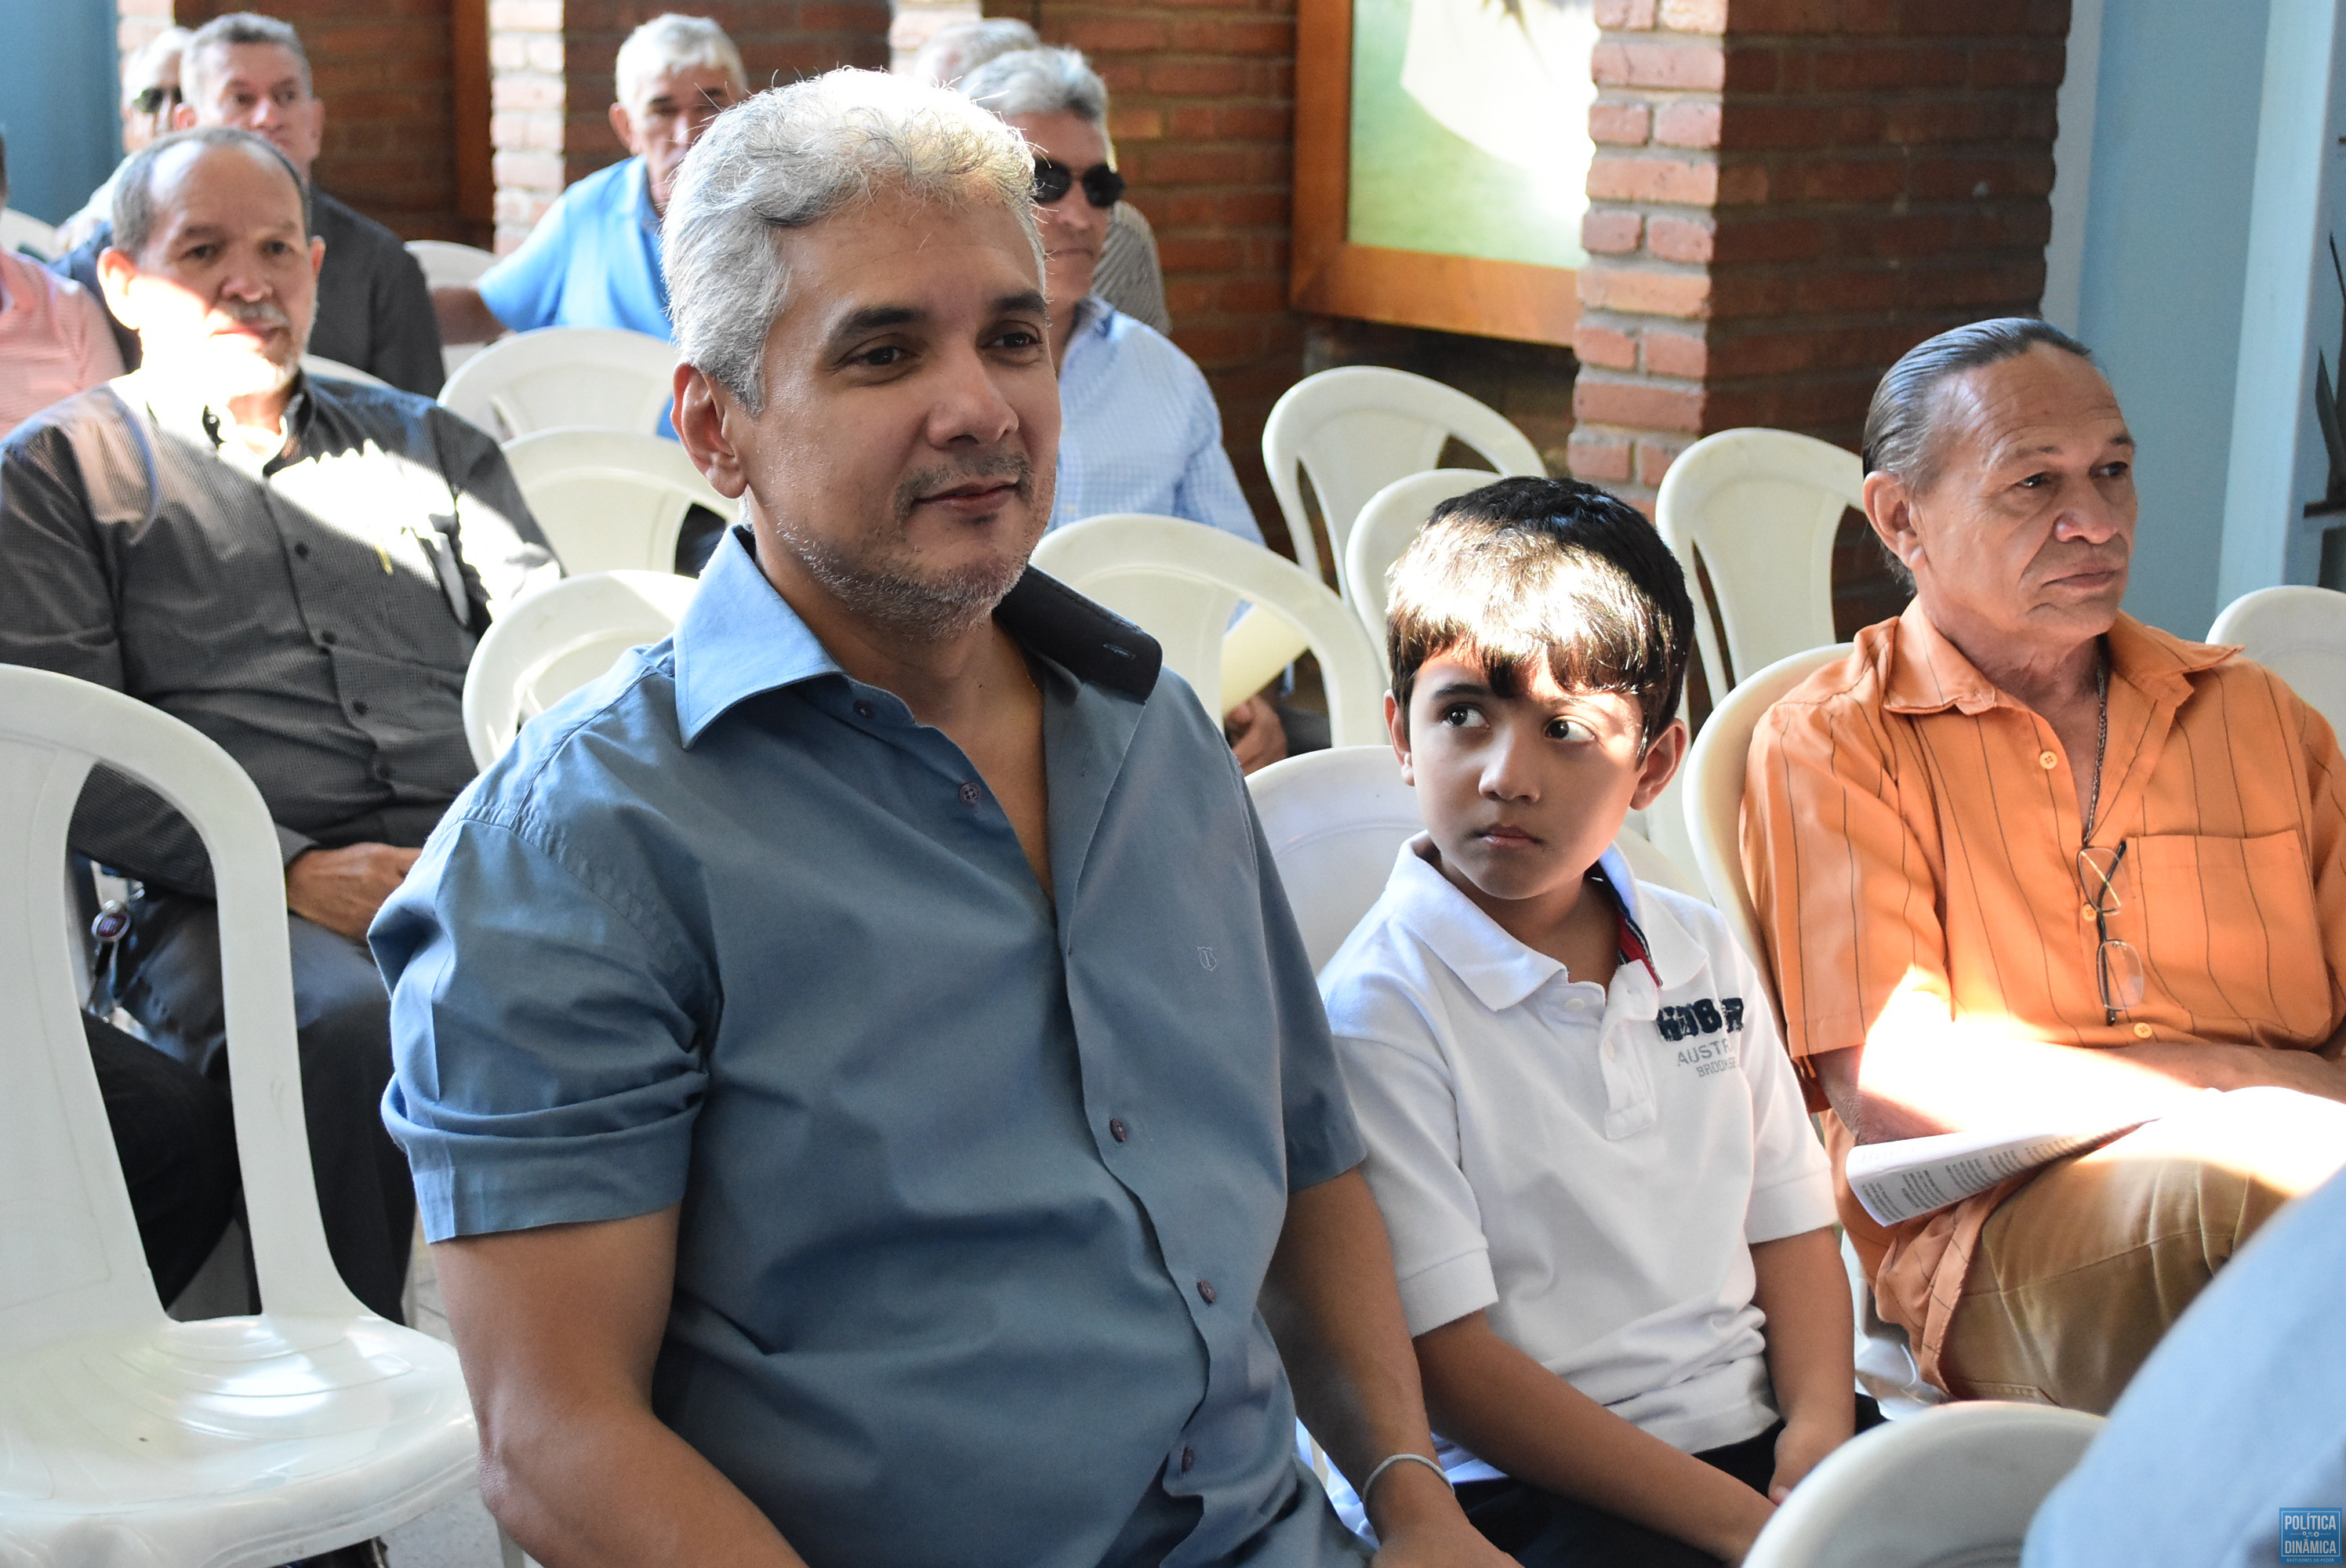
<point x="328" y="638"/>
<point x="359" y="709"/>
<point x="302" y="551"/>
<point x="1117" y="1130"/>
<point x="2142" y="1031"/>
<point x="2087" y="910"/>
<point x="1206" y="1292"/>
<point x="1188" y="1459"/>
<point x="2046" y="759"/>
<point x="971" y="794"/>
<point x="864" y="711"/>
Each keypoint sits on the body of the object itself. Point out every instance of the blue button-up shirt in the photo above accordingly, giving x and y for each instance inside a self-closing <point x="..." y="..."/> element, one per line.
<point x="593" y="261"/>
<point x="1139" y="431"/>
<point x="977" y="1193"/>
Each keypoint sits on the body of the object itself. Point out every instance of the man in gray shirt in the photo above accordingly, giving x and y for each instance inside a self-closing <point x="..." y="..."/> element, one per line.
<point x="301" y="571"/>
<point x="373" y="311"/>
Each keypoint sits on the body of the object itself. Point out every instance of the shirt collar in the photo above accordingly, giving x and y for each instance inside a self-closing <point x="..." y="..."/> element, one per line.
<point x="741" y="638"/>
<point x="639" y="186"/>
<point x="1925" y="673"/>
<point x="1502" y="972"/>
<point x="181" y="410"/>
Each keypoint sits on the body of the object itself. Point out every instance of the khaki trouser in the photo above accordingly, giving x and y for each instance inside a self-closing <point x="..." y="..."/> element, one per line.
<point x="2078" y="1274"/>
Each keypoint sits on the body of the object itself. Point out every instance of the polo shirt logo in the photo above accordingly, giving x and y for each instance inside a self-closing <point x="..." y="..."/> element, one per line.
<point x="1205" y="959"/>
<point x="1705" y="1017"/>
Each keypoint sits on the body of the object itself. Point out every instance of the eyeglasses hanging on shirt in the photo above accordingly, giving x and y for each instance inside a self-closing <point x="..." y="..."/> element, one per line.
<point x="1103" y="187"/>
<point x="150" y="99"/>
<point x="2117" y="967"/>
<point x="438" y="539"/>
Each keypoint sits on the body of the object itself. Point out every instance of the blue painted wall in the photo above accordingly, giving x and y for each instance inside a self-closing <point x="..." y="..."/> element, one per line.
<point x="58" y="90"/>
<point x="2166" y="259"/>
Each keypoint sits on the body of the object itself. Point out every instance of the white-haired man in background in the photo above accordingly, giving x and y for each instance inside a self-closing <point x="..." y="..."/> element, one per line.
<point x="1140" y="430"/>
<point x="863" y="1083"/>
<point x="1129" y="276"/>
<point x="594" y="260"/>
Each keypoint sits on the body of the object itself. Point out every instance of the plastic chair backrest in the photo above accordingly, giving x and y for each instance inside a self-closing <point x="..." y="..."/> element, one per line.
<point x="1952" y="1487"/>
<point x="1356" y="429"/>
<point x="446" y="263"/>
<point x="1335" y="820"/>
<point x="334" y="369"/>
<point x="561" y="377"/>
<point x="610" y="500"/>
<point x="547" y="645"/>
<point x="1714" y="786"/>
<point x="1389" y="520"/>
<point x="2299" y="634"/>
<point x="1759" y="508"/>
<point x="1181" y="582"/>
<point x="23" y="231"/>
<point x="70" y="1262"/>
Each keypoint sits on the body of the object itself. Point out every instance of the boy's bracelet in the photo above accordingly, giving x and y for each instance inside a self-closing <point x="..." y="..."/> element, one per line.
<point x="1390" y="1460"/>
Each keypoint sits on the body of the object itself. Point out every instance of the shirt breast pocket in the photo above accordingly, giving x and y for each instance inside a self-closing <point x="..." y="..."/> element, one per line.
<point x="2229" y="930"/>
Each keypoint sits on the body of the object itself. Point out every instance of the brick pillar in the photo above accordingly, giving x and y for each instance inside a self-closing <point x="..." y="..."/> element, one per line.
<point x="137" y="22"/>
<point x="1202" y="109"/>
<point x="1789" y="194"/>
<point x="526" y="97"/>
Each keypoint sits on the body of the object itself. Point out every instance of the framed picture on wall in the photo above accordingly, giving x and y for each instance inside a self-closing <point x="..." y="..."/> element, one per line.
<point x="1441" y="159"/>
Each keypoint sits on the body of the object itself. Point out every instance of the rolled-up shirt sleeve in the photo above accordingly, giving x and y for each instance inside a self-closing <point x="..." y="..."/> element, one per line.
<point x="547" y="1038"/>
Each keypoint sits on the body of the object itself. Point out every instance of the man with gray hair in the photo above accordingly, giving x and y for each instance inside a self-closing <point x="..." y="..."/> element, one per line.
<point x="1129" y="276"/>
<point x="594" y="260"/>
<point x="2022" y="862"/>
<point x="373" y="311"/>
<point x="864" y="1086"/>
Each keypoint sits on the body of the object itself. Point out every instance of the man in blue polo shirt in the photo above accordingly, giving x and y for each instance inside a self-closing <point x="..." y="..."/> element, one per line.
<point x="594" y="260"/>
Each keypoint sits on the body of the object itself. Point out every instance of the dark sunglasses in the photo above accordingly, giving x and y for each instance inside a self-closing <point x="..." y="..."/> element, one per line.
<point x="1103" y="187"/>
<point x="150" y="99"/>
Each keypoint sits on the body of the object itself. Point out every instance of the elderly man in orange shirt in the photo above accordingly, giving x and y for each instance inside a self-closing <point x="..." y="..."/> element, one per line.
<point x="2021" y="859"/>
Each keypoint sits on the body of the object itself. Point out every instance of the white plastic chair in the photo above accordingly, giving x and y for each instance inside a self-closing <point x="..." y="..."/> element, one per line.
<point x="1181" y="583"/>
<point x="1389" y="520"/>
<point x="610" y="500"/>
<point x="547" y="645"/>
<point x="1759" y="509"/>
<point x="1714" y="785"/>
<point x="320" y="365"/>
<point x="126" y="1440"/>
<point x="1952" y="1488"/>
<point x="560" y="377"/>
<point x="1355" y="430"/>
<point x="1335" y="820"/>
<point x="23" y="231"/>
<point x="1886" y="1368"/>
<point x="2299" y="634"/>
<point x="445" y="264"/>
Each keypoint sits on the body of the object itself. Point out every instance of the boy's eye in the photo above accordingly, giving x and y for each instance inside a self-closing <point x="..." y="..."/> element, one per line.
<point x="1462" y="714"/>
<point x="1569" y="730"/>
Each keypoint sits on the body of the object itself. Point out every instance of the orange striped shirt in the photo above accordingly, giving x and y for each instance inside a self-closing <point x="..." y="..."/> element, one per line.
<point x="1911" y="833"/>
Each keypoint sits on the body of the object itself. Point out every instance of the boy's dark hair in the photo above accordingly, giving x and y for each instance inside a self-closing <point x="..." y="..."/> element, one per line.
<point x="1544" y="568"/>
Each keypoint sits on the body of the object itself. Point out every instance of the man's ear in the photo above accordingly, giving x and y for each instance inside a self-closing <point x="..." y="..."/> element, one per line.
<point x="623" y="126"/>
<point x="702" y="411"/>
<point x="1663" y="758"/>
<point x="1890" y="508"/>
<point x="183" y="116"/>
<point x="317" y="254"/>
<point x="1397" y="726"/>
<point x="115" y="271"/>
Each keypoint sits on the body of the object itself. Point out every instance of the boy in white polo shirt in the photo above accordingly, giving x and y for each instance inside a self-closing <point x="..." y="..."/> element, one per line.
<point x="1610" y="1218"/>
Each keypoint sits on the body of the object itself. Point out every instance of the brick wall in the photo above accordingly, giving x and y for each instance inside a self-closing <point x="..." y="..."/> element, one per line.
<point x="383" y="68"/>
<point x="1202" y="109"/>
<point x="1789" y="194"/>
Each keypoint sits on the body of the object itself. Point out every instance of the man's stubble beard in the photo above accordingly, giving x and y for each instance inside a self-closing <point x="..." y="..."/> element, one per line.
<point x="881" y="586"/>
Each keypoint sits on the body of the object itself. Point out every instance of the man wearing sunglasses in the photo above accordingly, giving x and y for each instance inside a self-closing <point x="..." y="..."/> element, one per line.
<point x="1141" y="431"/>
<point x="2021" y="862"/>
<point x="150" y="95"/>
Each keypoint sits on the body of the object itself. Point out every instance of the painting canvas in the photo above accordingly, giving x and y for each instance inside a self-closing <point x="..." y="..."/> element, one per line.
<point x="1470" y="127"/>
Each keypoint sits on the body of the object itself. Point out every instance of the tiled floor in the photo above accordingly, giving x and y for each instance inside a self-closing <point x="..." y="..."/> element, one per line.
<point x="458" y="1534"/>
